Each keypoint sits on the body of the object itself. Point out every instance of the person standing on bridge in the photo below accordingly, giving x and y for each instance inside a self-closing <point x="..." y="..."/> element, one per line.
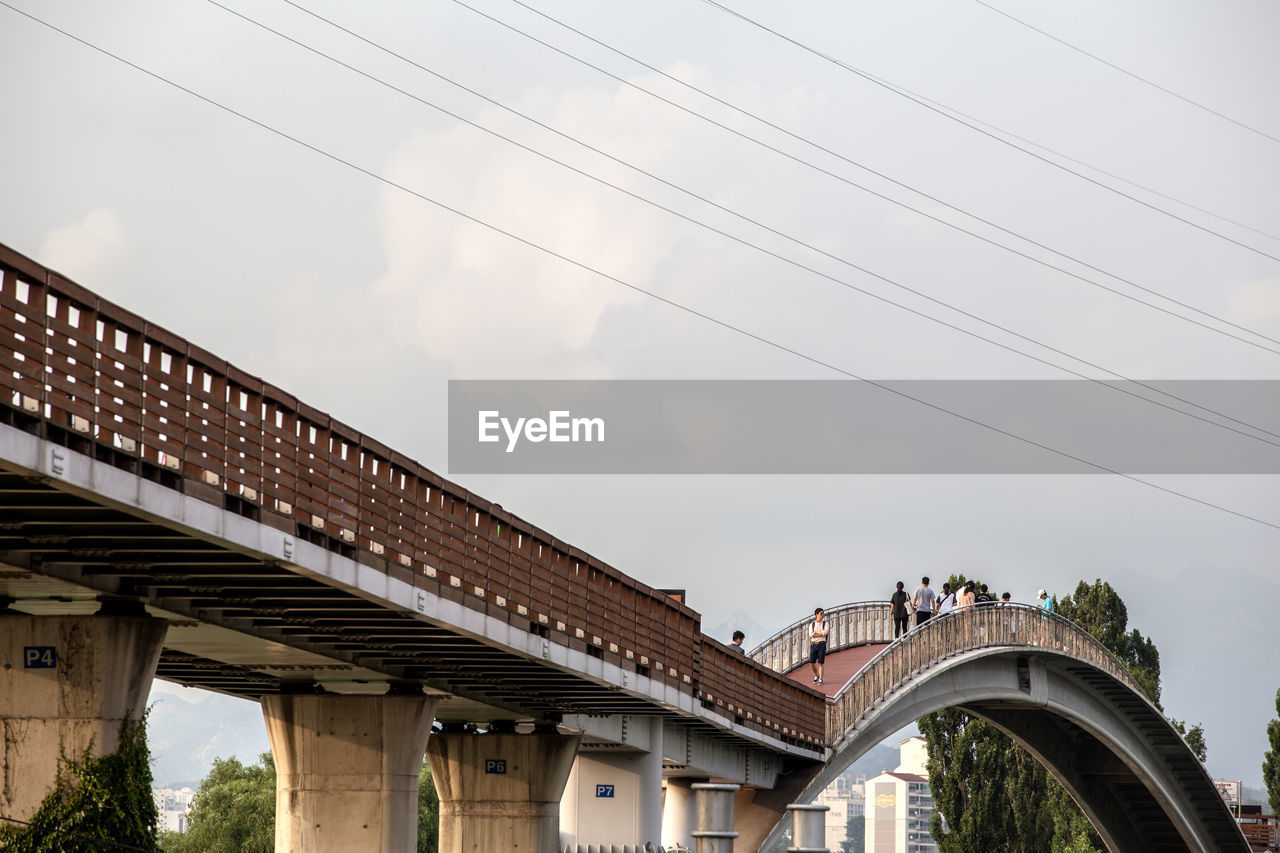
<point x="923" y="602"/>
<point x="1046" y="603"/>
<point x="947" y="601"/>
<point x="817" y="645"/>
<point x="738" y="637"/>
<point x="901" y="618"/>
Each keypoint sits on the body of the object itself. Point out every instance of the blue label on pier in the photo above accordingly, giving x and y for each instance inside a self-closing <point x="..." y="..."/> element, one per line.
<point x="39" y="657"/>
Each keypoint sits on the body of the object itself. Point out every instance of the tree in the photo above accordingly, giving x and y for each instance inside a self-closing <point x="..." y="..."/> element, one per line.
<point x="1194" y="737"/>
<point x="428" y="812"/>
<point x="1271" y="761"/>
<point x="855" y="834"/>
<point x="234" y="810"/>
<point x="1100" y="611"/>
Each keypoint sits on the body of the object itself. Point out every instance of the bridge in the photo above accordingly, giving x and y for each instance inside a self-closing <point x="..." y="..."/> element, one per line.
<point x="165" y="514"/>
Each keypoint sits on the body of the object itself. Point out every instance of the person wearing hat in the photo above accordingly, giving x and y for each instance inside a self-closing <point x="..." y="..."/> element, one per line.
<point x="1046" y="603"/>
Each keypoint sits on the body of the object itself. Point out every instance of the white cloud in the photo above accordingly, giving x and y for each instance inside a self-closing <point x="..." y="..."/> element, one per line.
<point x="88" y="250"/>
<point x="477" y="298"/>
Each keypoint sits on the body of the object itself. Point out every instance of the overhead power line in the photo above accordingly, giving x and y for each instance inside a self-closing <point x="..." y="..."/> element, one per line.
<point x="1129" y="73"/>
<point x="629" y="285"/>
<point x="1095" y="168"/>
<point x="739" y="240"/>
<point x="954" y="116"/>
<point x="747" y="137"/>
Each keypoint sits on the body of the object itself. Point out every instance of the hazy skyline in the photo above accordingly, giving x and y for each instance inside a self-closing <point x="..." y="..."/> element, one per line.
<point x="364" y="296"/>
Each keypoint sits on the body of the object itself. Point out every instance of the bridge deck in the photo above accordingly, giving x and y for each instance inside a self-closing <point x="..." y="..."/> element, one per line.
<point x="839" y="668"/>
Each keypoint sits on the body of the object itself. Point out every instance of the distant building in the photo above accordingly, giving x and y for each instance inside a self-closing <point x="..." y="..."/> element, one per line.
<point x="837" y="816"/>
<point x="172" y="805"/>
<point x="1262" y="831"/>
<point x="843" y="799"/>
<point x="899" y="805"/>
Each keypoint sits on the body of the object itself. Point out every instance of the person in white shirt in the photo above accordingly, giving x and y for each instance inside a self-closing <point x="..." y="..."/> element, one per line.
<point x="817" y="645"/>
<point x="948" y="600"/>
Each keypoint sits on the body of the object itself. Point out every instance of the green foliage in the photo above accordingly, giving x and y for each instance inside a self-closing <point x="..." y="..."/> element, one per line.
<point x="428" y="812"/>
<point x="233" y="811"/>
<point x="1271" y="761"/>
<point x="98" y="804"/>
<point x="993" y="794"/>
<point x="1100" y="611"/>
<point x="855" y="834"/>
<point x="1194" y="737"/>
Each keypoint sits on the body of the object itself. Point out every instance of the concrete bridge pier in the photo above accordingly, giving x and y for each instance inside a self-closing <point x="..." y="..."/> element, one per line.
<point x="679" y="813"/>
<point x="500" y="790"/>
<point x="347" y="770"/>
<point x="614" y="795"/>
<point x="67" y="685"/>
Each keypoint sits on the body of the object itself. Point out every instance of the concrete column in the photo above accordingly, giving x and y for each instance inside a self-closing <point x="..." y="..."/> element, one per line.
<point x="614" y="797"/>
<point x="347" y="770"/>
<point x="649" y="790"/>
<point x="500" y="791"/>
<point x="808" y="828"/>
<point x="715" y="832"/>
<point x="679" y="815"/>
<point x="67" y="684"/>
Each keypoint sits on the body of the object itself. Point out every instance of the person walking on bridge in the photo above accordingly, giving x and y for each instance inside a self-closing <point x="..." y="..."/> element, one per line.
<point x="901" y="618"/>
<point x="817" y="645"/>
<point x="923" y="602"/>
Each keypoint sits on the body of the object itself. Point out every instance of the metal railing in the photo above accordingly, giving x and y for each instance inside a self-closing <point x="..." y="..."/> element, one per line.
<point x="859" y="623"/>
<point x="965" y="629"/>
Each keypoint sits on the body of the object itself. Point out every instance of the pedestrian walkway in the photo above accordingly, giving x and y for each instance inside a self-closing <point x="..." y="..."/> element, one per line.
<point x="840" y="667"/>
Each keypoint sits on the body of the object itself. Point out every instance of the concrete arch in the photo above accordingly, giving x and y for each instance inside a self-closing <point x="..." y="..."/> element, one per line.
<point x="1117" y="755"/>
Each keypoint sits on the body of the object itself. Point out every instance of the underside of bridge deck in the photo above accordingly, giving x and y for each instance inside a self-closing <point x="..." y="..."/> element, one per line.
<point x="251" y="627"/>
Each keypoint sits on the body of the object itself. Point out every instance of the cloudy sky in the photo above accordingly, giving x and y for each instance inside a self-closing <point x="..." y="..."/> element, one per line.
<point x="673" y="190"/>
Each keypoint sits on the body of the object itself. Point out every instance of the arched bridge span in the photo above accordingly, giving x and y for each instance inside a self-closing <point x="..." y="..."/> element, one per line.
<point x="1051" y="687"/>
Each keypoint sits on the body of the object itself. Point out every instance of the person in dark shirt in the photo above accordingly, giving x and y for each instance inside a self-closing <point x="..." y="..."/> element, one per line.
<point x="738" y="637"/>
<point x="900" y="599"/>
